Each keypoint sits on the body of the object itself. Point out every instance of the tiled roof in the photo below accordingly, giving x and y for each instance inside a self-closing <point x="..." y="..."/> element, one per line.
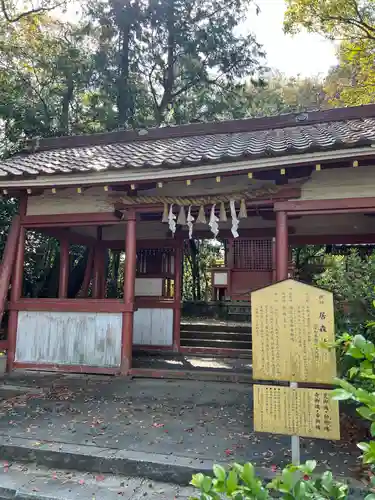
<point x="177" y="147"/>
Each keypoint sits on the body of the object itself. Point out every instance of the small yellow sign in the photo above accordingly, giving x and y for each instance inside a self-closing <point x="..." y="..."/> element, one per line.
<point x="289" y="320"/>
<point x="300" y="412"/>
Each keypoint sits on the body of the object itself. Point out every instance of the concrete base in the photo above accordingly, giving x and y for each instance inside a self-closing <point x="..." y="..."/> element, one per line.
<point x="153" y="466"/>
<point x="21" y="482"/>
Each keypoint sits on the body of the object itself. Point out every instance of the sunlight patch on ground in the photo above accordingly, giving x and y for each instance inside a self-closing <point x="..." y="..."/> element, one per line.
<point x="208" y="363"/>
<point x="173" y="362"/>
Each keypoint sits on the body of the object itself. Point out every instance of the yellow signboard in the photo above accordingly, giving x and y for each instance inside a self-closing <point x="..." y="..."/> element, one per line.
<point x="299" y="412"/>
<point x="289" y="320"/>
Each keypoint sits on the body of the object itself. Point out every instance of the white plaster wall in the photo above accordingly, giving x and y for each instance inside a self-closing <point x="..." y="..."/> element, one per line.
<point x="68" y="201"/>
<point x="356" y="182"/>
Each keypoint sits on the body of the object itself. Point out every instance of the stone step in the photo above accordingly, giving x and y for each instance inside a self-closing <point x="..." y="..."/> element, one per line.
<point x="216" y="344"/>
<point x="206" y="352"/>
<point x="198" y="334"/>
<point x="208" y="375"/>
<point x="192" y="326"/>
<point x="100" y="460"/>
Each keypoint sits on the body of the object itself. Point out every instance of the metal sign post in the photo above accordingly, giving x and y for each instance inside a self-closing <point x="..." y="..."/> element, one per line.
<point x="296" y="458"/>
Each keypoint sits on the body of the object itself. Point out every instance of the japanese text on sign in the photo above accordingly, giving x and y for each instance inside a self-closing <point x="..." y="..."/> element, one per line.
<point x="289" y="322"/>
<point x="301" y="412"/>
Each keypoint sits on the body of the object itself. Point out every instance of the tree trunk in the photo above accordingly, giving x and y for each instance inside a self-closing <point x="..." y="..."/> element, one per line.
<point x="67" y="99"/>
<point x="195" y="269"/>
<point x="169" y="75"/>
<point x="77" y="275"/>
<point x="123" y="91"/>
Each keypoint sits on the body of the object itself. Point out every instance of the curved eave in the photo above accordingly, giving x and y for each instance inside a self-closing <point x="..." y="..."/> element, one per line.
<point x="162" y="173"/>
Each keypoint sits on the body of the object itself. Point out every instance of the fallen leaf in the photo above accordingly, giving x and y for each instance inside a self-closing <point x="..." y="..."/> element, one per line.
<point x="81" y="481"/>
<point x="157" y="425"/>
<point x="273" y="468"/>
<point x="228" y="452"/>
<point x="100" y="478"/>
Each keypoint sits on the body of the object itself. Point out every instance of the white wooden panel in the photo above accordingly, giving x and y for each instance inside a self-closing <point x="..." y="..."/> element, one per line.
<point x="153" y="327"/>
<point x="355" y="182"/>
<point x="148" y="287"/>
<point x="68" y="201"/>
<point x="90" y="339"/>
<point x="220" y="278"/>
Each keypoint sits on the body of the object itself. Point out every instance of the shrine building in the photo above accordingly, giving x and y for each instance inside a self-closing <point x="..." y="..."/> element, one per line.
<point x="260" y="186"/>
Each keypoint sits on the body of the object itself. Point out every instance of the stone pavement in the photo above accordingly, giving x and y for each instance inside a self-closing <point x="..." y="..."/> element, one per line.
<point x="146" y="427"/>
<point x="26" y="481"/>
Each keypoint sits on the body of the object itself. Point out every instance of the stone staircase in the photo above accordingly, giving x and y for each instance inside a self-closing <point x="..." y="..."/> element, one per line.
<point x="216" y="335"/>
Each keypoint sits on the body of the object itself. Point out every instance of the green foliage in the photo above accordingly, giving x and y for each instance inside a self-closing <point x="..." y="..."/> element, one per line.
<point x="199" y="257"/>
<point x="308" y="261"/>
<point x="136" y="64"/>
<point x="351" y="279"/>
<point x="352" y="82"/>
<point x="333" y="18"/>
<point x="352" y="386"/>
<point x="294" y="482"/>
<point x="283" y="94"/>
<point x="45" y="70"/>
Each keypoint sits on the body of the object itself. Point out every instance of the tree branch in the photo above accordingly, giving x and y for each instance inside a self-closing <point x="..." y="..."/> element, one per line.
<point x="153" y="91"/>
<point x="355" y="23"/>
<point x="361" y="18"/>
<point x="30" y="12"/>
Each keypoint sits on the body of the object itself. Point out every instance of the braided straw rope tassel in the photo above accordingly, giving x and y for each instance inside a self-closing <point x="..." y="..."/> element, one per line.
<point x="197" y="200"/>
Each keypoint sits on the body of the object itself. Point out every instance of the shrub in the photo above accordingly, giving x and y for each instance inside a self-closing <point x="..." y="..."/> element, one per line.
<point x="241" y="482"/>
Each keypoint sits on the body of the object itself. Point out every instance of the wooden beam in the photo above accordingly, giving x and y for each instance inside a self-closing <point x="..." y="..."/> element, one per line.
<point x="332" y="239"/>
<point x="339" y="211"/>
<point x="273" y="260"/>
<point x="69" y="305"/>
<point x="61" y="220"/>
<point x="17" y="282"/>
<point x="129" y="289"/>
<point x="7" y="263"/>
<point x="346" y="204"/>
<point x="177" y="296"/>
<point x="281" y="246"/>
<point x="66" y="368"/>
